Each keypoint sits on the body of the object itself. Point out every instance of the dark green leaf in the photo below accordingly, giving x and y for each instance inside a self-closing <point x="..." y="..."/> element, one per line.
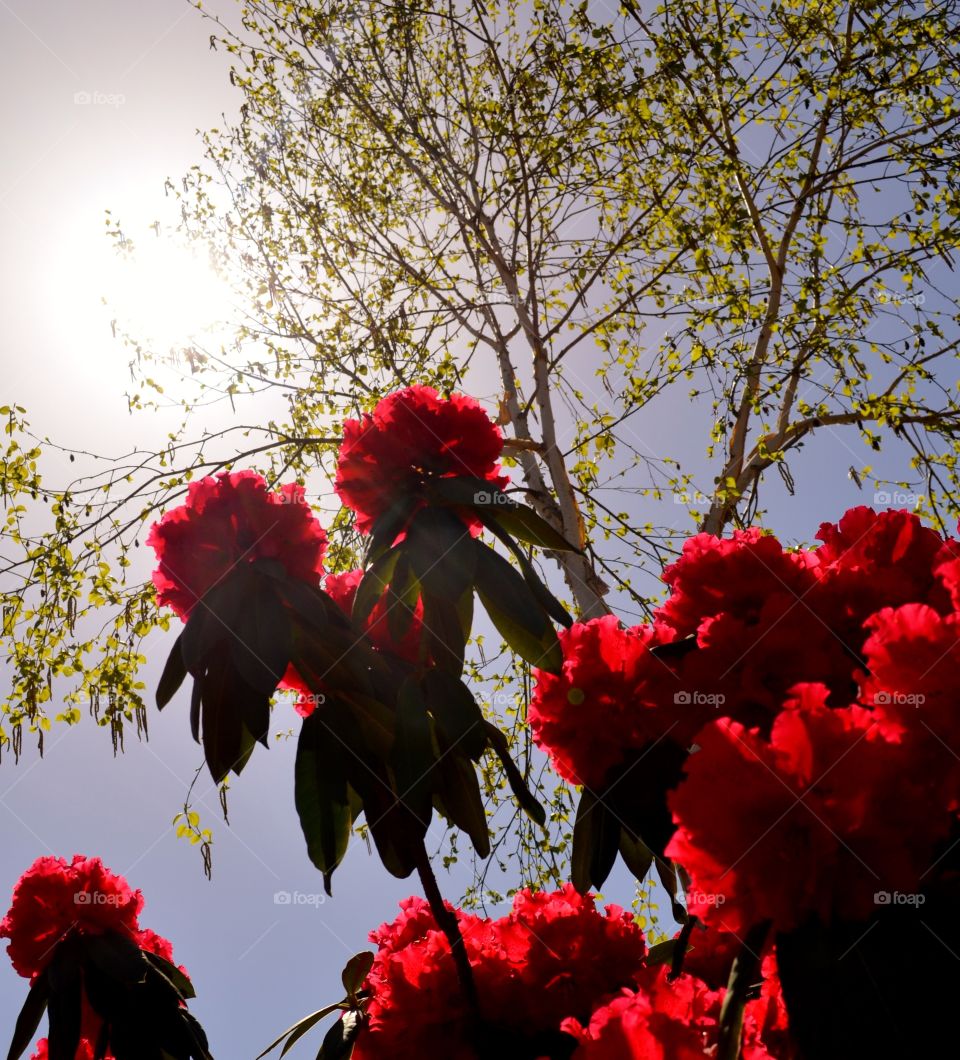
<point x="456" y="712"/>
<point x="440" y="550"/>
<point x="515" y="611"/>
<point x="356" y="971"/>
<point x="668" y="872"/>
<point x="221" y="722"/>
<point x="29" y="1018"/>
<point x="544" y="597"/>
<point x="174" y="673"/>
<point x="262" y="647"/>
<point x="661" y="953"/>
<point x="293" y="1034"/>
<point x="321" y="794"/>
<point x="64" y="1005"/>
<point x="443" y="634"/>
<point x="636" y="855"/>
<point x="397" y="833"/>
<point x="117" y="956"/>
<point x="596" y="837"/>
<point x="413" y="758"/>
<point x="401" y="600"/>
<point x="178" y="980"/>
<point x="373" y="585"/>
<point x="212" y="618"/>
<point x="458" y="798"/>
<point x="339" y="1040"/>
<point x="515" y="779"/>
<point x="388" y="526"/>
<point x="524" y="524"/>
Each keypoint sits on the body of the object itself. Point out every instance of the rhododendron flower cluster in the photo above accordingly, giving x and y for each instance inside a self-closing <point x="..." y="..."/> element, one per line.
<point x="554" y="963"/>
<point x="388" y="457"/>
<point x="55" y="896"/>
<point x="228" y="520"/>
<point x="56" y="899"/>
<point x="817" y="692"/>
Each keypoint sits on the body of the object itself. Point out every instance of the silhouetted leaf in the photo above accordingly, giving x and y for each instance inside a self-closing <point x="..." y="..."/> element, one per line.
<point x="29" y="1018"/>
<point x="518" y="785"/>
<point x="321" y="793"/>
<point x="261" y="647"/>
<point x="458" y="798"/>
<point x="413" y="756"/>
<point x="178" y="979"/>
<point x="339" y="1040"/>
<point x="456" y="712"/>
<point x="596" y="837"/>
<point x="174" y="674"/>
<point x="515" y="612"/>
<point x="440" y="550"/>
<point x="294" y="1033"/>
<point x="356" y="971"/>
<point x="373" y="585"/>
<point x="544" y="597"/>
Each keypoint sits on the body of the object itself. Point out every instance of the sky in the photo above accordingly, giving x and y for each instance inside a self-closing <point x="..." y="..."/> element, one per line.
<point x="101" y="102"/>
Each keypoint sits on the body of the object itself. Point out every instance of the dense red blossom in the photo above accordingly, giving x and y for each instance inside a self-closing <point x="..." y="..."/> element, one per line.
<point x="630" y="1027"/>
<point x="758" y="621"/>
<point x="54" y="896"/>
<point x="412" y="436"/>
<point x="611" y="696"/>
<point x="227" y="520"/>
<point x="737" y="576"/>
<point x="813" y="821"/>
<point x="553" y="963"/>
<point x="553" y="956"/>
<point x="676" y="1019"/>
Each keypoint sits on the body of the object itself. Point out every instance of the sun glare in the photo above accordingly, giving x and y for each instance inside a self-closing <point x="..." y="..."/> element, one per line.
<point x="166" y="296"/>
<point x="161" y="293"/>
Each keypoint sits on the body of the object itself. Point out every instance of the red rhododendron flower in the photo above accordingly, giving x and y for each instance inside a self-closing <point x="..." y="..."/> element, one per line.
<point x="679" y="1018"/>
<point x="412" y="436"/>
<point x="611" y="696"/>
<point x="912" y="677"/>
<point x="735" y="576"/>
<point x="631" y="1028"/>
<point x="228" y="520"/>
<point x="870" y="560"/>
<point x="813" y="821"/>
<point x="553" y="956"/>
<point x="54" y="896"/>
